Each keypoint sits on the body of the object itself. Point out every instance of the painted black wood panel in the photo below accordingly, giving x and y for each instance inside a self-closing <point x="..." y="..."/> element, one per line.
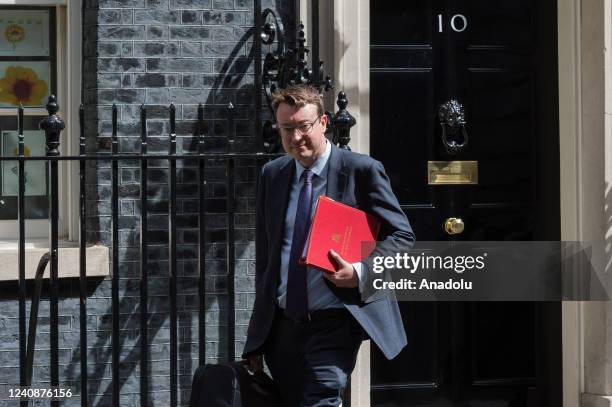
<point x="499" y="60"/>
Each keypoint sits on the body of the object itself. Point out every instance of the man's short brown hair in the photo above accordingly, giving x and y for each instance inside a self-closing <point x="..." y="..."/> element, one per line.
<point x="299" y="96"/>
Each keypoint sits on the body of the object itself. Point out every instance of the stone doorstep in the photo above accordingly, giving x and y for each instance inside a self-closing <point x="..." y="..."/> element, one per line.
<point x="595" y="400"/>
<point x="97" y="263"/>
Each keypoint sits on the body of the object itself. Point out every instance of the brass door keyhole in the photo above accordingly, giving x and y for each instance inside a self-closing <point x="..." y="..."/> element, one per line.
<point x="454" y="226"/>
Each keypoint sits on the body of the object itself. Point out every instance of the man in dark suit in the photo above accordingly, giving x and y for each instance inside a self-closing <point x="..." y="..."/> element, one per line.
<point x="308" y="324"/>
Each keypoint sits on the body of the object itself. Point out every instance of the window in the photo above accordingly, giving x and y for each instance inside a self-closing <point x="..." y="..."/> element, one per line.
<point x="40" y="44"/>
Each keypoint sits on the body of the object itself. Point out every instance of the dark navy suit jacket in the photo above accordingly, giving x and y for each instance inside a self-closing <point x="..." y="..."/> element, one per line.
<point x="353" y="179"/>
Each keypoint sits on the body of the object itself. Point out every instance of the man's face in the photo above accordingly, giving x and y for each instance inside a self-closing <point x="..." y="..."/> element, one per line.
<point x="302" y="141"/>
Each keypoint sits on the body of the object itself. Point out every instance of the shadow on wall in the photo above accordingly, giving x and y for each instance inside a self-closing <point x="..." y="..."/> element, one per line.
<point x="223" y="89"/>
<point x="229" y="86"/>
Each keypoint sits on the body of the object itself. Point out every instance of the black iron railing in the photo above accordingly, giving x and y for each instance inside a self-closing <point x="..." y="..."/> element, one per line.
<point x="52" y="125"/>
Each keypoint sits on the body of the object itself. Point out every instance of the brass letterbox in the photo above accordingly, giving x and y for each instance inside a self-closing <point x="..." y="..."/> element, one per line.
<point x="452" y="172"/>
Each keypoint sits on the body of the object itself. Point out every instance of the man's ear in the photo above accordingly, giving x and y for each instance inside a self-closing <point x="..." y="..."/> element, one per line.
<point x="324" y="119"/>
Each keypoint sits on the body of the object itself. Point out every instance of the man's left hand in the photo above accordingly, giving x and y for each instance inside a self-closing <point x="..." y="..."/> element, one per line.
<point x="345" y="275"/>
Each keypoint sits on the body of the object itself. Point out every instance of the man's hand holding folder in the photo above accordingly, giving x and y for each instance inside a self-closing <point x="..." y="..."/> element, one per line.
<point x="345" y="275"/>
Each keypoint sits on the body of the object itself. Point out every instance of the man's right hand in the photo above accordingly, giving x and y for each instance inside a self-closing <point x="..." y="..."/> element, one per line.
<point x="254" y="363"/>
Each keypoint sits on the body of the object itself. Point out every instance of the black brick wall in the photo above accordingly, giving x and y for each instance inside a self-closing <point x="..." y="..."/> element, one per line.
<point x="155" y="52"/>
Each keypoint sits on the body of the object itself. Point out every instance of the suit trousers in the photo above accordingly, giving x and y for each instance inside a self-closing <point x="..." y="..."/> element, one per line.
<point x="312" y="361"/>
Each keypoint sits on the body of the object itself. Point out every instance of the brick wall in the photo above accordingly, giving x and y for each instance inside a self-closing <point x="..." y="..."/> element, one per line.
<point x="155" y="52"/>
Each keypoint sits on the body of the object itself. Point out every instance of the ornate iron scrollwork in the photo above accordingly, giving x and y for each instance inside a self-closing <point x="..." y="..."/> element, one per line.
<point x="284" y="67"/>
<point x="273" y="74"/>
<point x="452" y="120"/>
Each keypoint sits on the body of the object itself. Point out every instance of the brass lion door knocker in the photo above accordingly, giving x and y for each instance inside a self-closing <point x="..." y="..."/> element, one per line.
<point x="452" y="120"/>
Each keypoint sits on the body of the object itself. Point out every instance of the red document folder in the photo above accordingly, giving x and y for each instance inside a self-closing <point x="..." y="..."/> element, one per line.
<point x="348" y="231"/>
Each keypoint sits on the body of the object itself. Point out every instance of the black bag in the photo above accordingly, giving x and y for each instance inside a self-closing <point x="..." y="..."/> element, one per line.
<point x="231" y="385"/>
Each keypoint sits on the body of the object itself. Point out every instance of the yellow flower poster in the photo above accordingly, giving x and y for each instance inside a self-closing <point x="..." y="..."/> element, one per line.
<point x="35" y="179"/>
<point x="25" y="82"/>
<point x="24" y="33"/>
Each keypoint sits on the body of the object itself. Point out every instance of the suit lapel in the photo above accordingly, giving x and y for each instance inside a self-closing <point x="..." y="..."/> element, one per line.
<point x="336" y="175"/>
<point x="337" y="179"/>
<point x="281" y="182"/>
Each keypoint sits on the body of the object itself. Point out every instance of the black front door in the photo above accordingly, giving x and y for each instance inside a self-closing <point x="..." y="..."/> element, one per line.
<point x="495" y="62"/>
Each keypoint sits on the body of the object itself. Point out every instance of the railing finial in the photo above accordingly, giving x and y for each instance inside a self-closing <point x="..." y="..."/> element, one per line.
<point x="342" y="122"/>
<point x="52" y="106"/>
<point x="52" y="125"/>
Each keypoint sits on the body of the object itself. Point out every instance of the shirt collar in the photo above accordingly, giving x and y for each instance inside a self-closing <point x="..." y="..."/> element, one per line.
<point x="317" y="167"/>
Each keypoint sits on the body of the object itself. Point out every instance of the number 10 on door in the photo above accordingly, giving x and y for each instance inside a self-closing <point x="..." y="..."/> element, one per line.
<point x="458" y="23"/>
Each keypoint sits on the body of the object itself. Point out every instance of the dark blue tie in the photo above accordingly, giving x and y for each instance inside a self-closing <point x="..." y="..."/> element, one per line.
<point x="297" y="295"/>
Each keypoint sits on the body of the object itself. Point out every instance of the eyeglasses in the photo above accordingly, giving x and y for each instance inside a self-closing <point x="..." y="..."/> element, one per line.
<point x="302" y="129"/>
